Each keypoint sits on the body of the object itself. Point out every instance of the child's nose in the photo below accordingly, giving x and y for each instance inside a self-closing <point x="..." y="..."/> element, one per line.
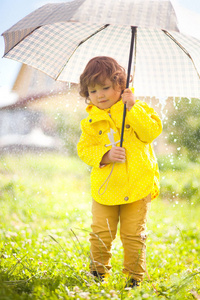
<point x="100" y="94"/>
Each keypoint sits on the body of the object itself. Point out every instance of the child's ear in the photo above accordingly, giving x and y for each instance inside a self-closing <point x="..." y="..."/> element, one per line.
<point x="88" y="101"/>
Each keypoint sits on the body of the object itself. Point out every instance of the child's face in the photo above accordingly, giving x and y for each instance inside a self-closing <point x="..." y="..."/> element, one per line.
<point x="104" y="96"/>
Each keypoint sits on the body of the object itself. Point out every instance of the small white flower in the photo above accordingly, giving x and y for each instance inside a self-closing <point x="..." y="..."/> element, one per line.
<point x="84" y="295"/>
<point x="145" y="296"/>
<point x="76" y="289"/>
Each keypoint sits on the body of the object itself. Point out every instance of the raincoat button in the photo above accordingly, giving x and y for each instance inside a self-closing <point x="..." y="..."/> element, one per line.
<point x="90" y="120"/>
<point x="126" y="198"/>
<point x="100" y="131"/>
<point x="128" y="126"/>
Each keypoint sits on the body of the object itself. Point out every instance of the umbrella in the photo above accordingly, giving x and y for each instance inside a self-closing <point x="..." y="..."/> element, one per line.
<point x="59" y="39"/>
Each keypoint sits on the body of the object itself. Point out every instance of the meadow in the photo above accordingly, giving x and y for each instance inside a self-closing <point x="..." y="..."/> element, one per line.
<point x="45" y="223"/>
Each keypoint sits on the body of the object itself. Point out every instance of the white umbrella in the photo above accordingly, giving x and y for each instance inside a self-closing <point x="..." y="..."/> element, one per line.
<point x="59" y="39"/>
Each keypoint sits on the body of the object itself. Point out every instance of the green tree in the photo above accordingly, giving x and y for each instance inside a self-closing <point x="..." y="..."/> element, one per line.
<point x="69" y="129"/>
<point x="183" y="125"/>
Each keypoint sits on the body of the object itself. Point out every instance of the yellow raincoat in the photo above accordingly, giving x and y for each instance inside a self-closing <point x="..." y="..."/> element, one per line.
<point x="138" y="176"/>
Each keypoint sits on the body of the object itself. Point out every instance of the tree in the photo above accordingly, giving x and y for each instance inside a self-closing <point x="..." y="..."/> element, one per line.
<point x="183" y="125"/>
<point x="69" y="129"/>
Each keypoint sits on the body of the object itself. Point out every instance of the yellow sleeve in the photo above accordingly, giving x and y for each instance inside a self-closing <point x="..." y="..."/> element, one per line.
<point x="145" y="121"/>
<point x="89" y="150"/>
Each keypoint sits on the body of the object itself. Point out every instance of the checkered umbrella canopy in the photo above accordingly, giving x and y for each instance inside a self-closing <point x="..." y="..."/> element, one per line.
<point x="59" y="39"/>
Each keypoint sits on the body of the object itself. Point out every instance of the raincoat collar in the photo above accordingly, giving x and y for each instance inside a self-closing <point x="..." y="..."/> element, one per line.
<point x="97" y="114"/>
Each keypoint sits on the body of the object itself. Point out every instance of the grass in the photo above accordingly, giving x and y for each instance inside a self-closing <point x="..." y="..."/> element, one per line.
<point x="44" y="227"/>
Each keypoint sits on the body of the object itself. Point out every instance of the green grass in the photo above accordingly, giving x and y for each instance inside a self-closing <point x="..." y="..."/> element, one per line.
<point x="44" y="228"/>
<point x="180" y="179"/>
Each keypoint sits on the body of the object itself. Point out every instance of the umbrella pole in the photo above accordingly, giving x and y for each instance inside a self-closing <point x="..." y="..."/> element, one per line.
<point x="133" y="29"/>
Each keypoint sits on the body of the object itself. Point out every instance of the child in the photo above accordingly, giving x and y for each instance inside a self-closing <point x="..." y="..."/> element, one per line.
<point x="125" y="179"/>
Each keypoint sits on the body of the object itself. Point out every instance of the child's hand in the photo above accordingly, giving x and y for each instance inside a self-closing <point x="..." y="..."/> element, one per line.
<point x="116" y="154"/>
<point x="128" y="98"/>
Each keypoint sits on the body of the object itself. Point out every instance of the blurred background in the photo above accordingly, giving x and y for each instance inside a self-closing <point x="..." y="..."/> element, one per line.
<point x="37" y="112"/>
<point x="40" y="114"/>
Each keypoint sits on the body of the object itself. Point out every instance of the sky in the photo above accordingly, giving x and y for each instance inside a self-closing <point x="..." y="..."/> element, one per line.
<point x="11" y="11"/>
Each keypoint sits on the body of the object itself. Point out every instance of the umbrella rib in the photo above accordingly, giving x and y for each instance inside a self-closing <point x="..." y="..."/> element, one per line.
<point x="182" y="48"/>
<point x="100" y="29"/>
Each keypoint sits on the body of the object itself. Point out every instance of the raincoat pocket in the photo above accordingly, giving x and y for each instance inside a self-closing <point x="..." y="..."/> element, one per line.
<point x="140" y="144"/>
<point x="143" y="151"/>
<point x="102" y="136"/>
<point x="97" y="129"/>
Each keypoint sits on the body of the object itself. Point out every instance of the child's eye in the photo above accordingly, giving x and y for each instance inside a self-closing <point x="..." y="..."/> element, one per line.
<point x="106" y="87"/>
<point x="92" y="92"/>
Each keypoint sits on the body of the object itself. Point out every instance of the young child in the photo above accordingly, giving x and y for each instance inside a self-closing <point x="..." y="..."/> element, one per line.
<point x="125" y="179"/>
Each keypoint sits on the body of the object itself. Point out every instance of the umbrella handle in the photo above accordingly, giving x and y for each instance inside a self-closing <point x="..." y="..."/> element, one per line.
<point x="133" y="29"/>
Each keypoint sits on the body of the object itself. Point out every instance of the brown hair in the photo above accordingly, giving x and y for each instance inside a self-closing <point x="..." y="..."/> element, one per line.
<point x="97" y="70"/>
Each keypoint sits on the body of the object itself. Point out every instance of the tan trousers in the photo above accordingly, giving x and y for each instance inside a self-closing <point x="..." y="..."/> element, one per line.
<point x="133" y="218"/>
